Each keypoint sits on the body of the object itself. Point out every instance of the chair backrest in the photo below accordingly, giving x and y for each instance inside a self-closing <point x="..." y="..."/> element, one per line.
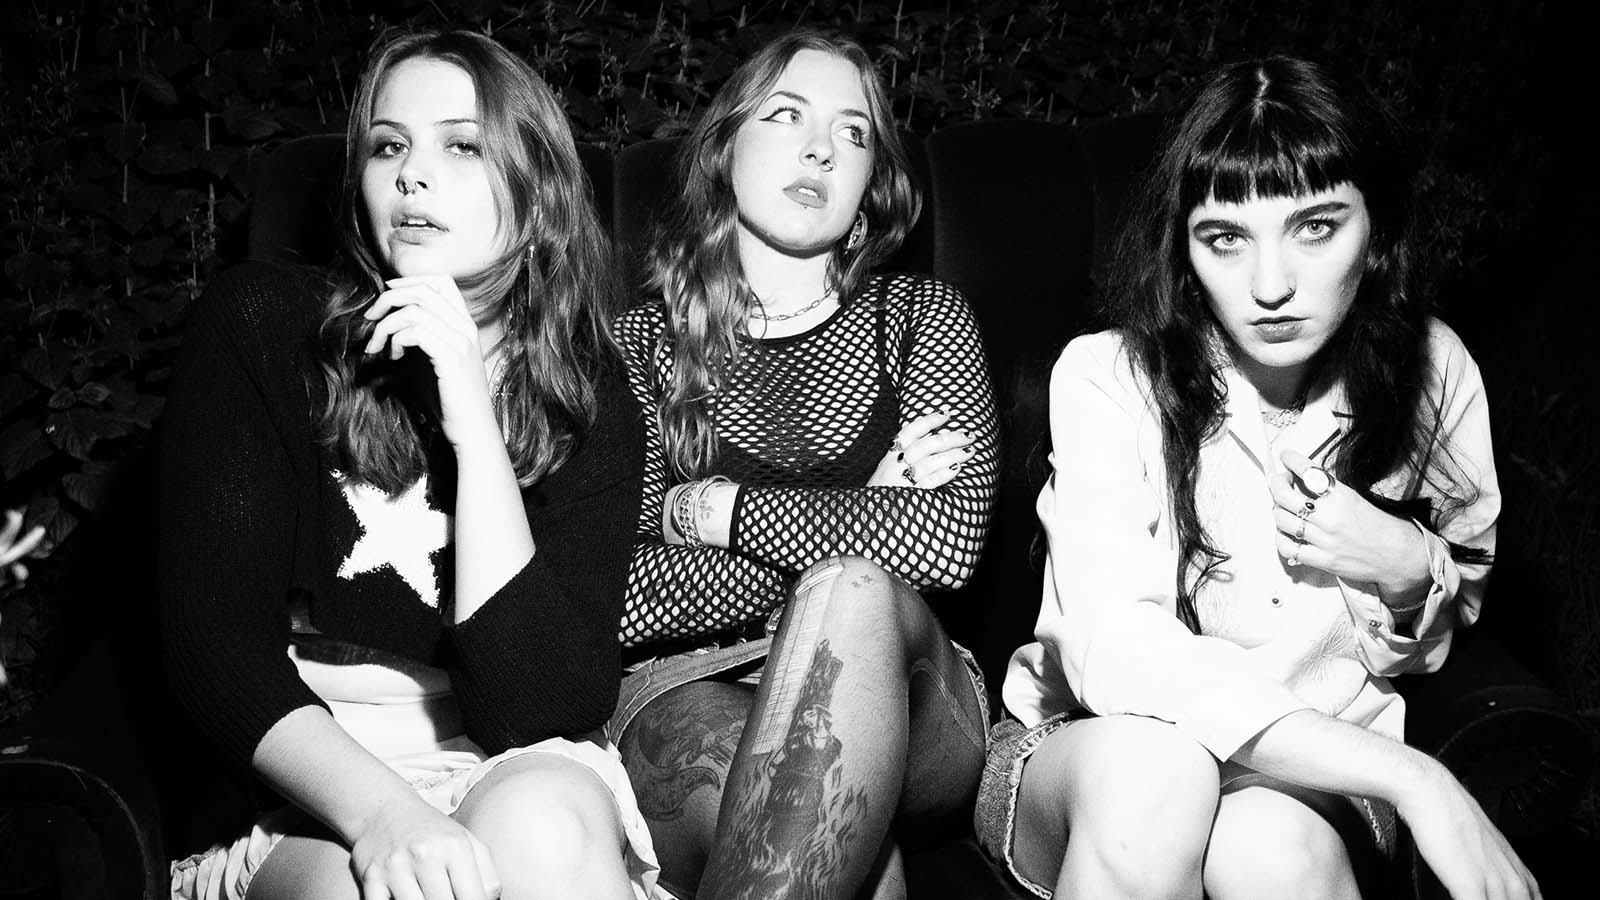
<point x="1015" y="214"/>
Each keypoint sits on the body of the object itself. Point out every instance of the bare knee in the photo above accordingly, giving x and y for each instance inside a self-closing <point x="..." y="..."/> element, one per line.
<point x="854" y="599"/>
<point x="547" y="820"/>
<point x="1125" y="804"/>
<point x="1267" y="844"/>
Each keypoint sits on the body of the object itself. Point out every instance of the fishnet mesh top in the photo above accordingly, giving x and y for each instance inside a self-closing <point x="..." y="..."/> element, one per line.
<point x="804" y="422"/>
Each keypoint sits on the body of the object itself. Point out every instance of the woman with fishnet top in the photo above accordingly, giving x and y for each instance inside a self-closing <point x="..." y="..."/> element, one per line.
<point x="823" y="451"/>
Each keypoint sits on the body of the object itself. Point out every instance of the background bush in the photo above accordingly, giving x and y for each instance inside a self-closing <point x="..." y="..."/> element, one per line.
<point x="129" y="131"/>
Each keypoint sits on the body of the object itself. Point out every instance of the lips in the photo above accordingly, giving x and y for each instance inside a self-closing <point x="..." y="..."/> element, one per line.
<point x="1278" y="329"/>
<point x="807" y="192"/>
<point x="414" y="226"/>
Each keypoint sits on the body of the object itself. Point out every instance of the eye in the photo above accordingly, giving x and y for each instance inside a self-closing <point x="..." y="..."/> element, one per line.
<point x="463" y="147"/>
<point x="1316" y="231"/>
<point x="1225" y="242"/>
<point x="786" y="115"/>
<point x="855" y="134"/>
<point x="387" y="148"/>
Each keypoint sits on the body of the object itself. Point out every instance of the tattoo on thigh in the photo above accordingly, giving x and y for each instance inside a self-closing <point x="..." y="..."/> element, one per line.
<point x="680" y="744"/>
<point x="795" y="819"/>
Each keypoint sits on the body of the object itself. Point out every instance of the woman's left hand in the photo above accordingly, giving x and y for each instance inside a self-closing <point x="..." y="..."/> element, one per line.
<point x="1343" y="534"/>
<point x="428" y="312"/>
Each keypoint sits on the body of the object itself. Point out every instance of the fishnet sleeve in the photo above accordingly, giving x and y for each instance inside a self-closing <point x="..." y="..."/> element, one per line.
<point x="677" y="592"/>
<point x="929" y="538"/>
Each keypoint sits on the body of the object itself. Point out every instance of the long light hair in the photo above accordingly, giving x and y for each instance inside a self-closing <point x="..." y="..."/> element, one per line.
<point x="694" y="259"/>
<point x="1276" y="127"/>
<point x="553" y="287"/>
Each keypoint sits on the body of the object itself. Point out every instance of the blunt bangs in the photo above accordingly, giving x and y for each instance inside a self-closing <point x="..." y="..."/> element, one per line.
<point x="1276" y="153"/>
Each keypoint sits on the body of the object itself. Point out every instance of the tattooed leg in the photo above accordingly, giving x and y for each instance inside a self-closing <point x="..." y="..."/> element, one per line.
<point x="818" y="774"/>
<point x="677" y="753"/>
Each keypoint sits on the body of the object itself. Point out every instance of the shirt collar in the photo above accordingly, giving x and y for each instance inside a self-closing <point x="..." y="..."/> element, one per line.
<point x="1316" y="434"/>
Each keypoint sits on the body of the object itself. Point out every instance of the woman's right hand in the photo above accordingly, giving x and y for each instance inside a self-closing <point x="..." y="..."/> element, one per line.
<point x="428" y="312"/>
<point x="1470" y="856"/>
<point x="418" y="853"/>
<point x="922" y="456"/>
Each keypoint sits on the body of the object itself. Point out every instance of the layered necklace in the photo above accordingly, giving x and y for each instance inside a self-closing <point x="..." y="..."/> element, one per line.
<point x="759" y="311"/>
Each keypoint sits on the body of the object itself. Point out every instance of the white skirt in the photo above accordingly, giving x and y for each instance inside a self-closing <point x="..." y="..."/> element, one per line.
<point x="407" y="716"/>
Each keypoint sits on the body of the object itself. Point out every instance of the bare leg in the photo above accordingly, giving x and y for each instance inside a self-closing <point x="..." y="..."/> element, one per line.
<point x="1119" y="806"/>
<point x="820" y="768"/>
<point x="551" y="826"/>
<point x="305" y="866"/>
<point x="1269" y="844"/>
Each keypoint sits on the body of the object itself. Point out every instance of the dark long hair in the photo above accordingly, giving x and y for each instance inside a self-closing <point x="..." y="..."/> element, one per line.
<point x="1276" y="127"/>
<point x="554" y="287"/>
<point x="694" y="259"/>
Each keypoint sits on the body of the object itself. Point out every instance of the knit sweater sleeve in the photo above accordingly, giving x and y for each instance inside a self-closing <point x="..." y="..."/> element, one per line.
<point x="540" y="657"/>
<point x="679" y="592"/>
<point x="929" y="538"/>
<point x="235" y="458"/>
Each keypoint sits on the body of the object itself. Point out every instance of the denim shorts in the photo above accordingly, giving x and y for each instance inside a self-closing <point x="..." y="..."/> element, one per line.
<point x="1368" y="826"/>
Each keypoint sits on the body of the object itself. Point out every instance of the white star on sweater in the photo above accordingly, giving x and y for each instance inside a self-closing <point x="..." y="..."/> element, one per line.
<point x="400" y="532"/>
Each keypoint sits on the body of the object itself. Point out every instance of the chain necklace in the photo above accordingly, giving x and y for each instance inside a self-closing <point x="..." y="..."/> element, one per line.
<point x="1280" y="419"/>
<point x="759" y="313"/>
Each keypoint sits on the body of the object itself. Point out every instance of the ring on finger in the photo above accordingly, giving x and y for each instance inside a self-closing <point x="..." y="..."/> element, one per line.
<point x="1300" y="533"/>
<point x="1316" y="481"/>
<point x="910" y="474"/>
<point x="1306" y="511"/>
<point x="1294" y="558"/>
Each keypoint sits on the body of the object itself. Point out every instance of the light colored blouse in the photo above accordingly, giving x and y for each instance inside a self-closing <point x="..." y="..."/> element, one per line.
<point x="1275" y="638"/>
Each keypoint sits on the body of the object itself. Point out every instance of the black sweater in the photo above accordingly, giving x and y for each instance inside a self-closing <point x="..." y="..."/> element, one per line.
<point x="253" y="515"/>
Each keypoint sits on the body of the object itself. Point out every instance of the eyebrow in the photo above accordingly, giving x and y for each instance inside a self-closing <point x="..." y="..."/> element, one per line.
<point x="1295" y="218"/>
<point x="849" y="111"/>
<point x="445" y="122"/>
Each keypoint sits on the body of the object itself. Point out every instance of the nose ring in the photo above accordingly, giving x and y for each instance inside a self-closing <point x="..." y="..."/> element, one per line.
<point x="827" y="165"/>
<point x="1284" y="299"/>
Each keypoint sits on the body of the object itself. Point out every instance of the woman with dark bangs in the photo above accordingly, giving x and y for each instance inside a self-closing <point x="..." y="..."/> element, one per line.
<point x="398" y="501"/>
<point x="1273" y="487"/>
<point x="825" y="450"/>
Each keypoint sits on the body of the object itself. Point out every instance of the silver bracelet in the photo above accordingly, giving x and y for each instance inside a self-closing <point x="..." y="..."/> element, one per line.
<point x="683" y="514"/>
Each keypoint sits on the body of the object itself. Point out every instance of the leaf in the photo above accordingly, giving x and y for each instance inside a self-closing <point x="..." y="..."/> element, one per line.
<point x="93" y="394"/>
<point x="14" y="391"/>
<point x="148" y="254"/>
<point x="214" y="88"/>
<point x="31" y="269"/>
<point x="62" y="398"/>
<point x="86" y="197"/>
<point x="167" y="158"/>
<point x="158" y="88"/>
<point x="22" y="446"/>
<point x="250" y="123"/>
<point x="78" y="430"/>
<point x="88" y="488"/>
<point x="211" y="35"/>
<point x="123" y="141"/>
<point x="46" y="368"/>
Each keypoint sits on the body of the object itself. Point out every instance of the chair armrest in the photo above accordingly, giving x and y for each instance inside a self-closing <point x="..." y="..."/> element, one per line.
<point x="74" y="790"/>
<point x="1515" y="744"/>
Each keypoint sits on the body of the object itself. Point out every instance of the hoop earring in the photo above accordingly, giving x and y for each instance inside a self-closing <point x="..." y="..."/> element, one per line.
<point x="858" y="233"/>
